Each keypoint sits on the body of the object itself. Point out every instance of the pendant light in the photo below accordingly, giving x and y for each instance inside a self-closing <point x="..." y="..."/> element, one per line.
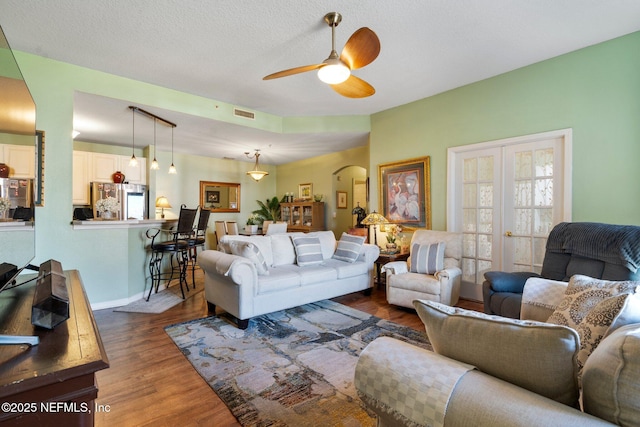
<point x="256" y="173"/>
<point x="133" y="162"/>
<point x="172" y="168"/>
<point x="154" y="163"/>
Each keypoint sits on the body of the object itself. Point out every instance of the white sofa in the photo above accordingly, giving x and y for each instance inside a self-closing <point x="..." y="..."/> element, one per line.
<point x="263" y="275"/>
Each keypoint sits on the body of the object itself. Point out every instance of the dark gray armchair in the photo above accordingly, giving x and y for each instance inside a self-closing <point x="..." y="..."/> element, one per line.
<point x="603" y="251"/>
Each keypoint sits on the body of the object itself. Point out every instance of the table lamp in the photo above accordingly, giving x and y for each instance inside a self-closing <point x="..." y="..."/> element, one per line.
<point x="375" y="219"/>
<point x="162" y="202"/>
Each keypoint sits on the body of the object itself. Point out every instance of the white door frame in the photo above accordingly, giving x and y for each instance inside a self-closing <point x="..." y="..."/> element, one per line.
<point x="472" y="291"/>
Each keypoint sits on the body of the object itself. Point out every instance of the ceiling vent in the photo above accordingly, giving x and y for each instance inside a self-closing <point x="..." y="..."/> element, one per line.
<point x="244" y="114"/>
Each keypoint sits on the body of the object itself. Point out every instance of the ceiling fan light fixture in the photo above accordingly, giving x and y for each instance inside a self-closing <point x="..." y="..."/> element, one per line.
<point x="334" y="72"/>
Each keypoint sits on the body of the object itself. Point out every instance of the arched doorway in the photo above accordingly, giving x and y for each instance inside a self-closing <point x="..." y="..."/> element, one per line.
<point x="351" y="180"/>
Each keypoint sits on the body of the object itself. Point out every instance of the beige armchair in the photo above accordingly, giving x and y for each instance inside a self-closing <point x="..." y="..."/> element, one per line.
<point x="443" y="285"/>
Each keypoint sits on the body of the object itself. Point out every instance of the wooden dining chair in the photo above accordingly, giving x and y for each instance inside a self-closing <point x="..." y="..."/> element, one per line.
<point x="232" y="227"/>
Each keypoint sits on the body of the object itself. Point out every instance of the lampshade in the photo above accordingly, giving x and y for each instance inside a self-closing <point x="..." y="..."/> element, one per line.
<point x="374" y="218"/>
<point x="162" y="202"/>
<point x="334" y="72"/>
<point x="256" y="173"/>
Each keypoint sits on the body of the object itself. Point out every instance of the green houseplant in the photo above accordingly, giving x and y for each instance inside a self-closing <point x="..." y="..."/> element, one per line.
<point x="269" y="210"/>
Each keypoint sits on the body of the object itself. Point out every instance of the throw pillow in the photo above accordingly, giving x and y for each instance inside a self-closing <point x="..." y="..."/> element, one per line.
<point x="427" y="259"/>
<point x="252" y="253"/>
<point x="536" y="356"/>
<point x="610" y="386"/>
<point x="349" y="247"/>
<point x="308" y="250"/>
<point x="591" y="306"/>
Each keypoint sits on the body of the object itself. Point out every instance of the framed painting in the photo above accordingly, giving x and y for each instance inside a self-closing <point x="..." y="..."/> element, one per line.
<point x="305" y="191"/>
<point x="405" y="192"/>
<point x="213" y="196"/>
<point x="341" y="199"/>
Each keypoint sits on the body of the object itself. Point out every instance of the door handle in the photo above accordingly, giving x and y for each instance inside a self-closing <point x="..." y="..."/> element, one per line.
<point x="508" y="234"/>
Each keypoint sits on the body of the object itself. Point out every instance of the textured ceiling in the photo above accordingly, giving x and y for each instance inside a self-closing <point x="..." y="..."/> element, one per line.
<point x="221" y="50"/>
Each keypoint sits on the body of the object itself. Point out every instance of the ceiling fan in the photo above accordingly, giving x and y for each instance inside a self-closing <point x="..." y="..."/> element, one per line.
<point x="361" y="49"/>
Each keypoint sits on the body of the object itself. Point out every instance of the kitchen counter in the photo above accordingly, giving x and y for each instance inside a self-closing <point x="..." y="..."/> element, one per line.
<point x="94" y="224"/>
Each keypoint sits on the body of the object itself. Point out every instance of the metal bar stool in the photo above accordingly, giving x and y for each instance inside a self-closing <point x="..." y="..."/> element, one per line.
<point x="177" y="247"/>
<point x="198" y="240"/>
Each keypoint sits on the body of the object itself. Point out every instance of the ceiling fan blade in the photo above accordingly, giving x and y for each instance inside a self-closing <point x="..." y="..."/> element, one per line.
<point x="354" y="87"/>
<point x="361" y="49"/>
<point x="292" y="71"/>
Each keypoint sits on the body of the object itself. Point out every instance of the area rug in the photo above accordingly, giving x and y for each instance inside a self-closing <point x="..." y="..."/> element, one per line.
<point x="160" y="302"/>
<point x="290" y="368"/>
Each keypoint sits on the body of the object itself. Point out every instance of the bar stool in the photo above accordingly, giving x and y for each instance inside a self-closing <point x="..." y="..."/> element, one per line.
<point x="198" y="240"/>
<point x="177" y="247"/>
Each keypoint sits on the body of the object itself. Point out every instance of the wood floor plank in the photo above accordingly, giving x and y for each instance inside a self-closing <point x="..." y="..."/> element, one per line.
<point x="149" y="381"/>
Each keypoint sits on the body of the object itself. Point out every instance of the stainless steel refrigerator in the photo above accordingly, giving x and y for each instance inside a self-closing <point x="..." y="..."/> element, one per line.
<point x="20" y="192"/>
<point x="132" y="199"/>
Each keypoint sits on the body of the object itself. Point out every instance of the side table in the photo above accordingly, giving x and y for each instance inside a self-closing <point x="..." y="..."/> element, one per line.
<point x="385" y="258"/>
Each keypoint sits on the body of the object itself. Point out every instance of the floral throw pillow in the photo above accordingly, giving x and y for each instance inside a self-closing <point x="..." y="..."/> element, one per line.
<point x="591" y="306"/>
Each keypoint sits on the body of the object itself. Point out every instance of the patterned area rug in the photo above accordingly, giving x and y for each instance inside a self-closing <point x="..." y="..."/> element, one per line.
<point x="290" y="368"/>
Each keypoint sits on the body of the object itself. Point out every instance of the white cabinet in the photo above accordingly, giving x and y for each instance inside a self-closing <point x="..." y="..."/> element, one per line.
<point x="20" y="159"/>
<point x="99" y="167"/>
<point x="81" y="190"/>
<point x="134" y="175"/>
<point x="103" y="166"/>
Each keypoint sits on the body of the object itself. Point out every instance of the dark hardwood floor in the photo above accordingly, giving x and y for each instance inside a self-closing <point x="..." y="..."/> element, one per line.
<point x="149" y="382"/>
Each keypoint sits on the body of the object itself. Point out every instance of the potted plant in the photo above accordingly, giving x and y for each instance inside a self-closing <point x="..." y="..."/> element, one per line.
<point x="252" y="224"/>
<point x="270" y="210"/>
<point x="392" y="235"/>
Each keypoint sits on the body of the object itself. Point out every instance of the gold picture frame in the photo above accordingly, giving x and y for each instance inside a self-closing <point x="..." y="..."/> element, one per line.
<point x="305" y="191"/>
<point x="341" y="199"/>
<point x="405" y="192"/>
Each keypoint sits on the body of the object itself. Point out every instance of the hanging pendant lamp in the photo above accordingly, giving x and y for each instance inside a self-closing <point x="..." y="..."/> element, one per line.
<point x="133" y="161"/>
<point x="154" y="163"/>
<point x="172" y="168"/>
<point x="256" y="173"/>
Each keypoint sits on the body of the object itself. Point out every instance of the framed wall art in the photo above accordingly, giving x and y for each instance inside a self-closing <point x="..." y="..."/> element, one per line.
<point x="405" y="192"/>
<point x="305" y="191"/>
<point x="341" y="199"/>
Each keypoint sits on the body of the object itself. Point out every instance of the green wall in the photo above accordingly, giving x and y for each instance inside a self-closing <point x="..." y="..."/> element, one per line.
<point x="595" y="91"/>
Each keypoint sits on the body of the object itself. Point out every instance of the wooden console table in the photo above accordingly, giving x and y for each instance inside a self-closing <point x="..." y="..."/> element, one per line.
<point x="53" y="383"/>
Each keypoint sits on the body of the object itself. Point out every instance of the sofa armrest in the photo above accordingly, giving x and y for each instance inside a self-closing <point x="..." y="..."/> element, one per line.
<point x="239" y="269"/>
<point x="448" y="274"/>
<point x="389" y="370"/>
<point x="370" y="253"/>
<point x="395" y="267"/>
<point x="502" y="281"/>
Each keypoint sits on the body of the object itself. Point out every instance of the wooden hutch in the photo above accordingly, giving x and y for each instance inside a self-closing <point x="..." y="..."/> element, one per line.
<point x="303" y="216"/>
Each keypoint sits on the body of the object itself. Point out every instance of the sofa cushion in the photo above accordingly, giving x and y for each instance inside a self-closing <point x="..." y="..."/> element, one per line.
<point x="279" y="279"/>
<point x="262" y="242"/>
<point x="251" y="252"/>
<point x="427" y="258"/>
<point x="308" y="250"/>
<point x="347" y="269"/>
<point x="536" y="356"/>
<point x="591" y="306"/>
<point x="327" y="242"/>
<point x="610" y="386"/>
<point x="282" y="249"/>
<point x="349" y="247"/>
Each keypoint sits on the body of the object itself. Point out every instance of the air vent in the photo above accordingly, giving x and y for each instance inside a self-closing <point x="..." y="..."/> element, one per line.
<point x="244" y="113"/>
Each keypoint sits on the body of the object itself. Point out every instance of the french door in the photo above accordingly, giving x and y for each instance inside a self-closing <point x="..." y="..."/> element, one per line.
<point x="505" y="196"/>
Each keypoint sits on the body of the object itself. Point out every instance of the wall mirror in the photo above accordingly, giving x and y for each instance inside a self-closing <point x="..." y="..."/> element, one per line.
<point x="17" y="147"/>
<point x="220" y="196"/>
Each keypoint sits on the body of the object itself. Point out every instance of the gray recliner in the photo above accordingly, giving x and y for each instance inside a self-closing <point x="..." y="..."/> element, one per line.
<point x="603" y="251"/>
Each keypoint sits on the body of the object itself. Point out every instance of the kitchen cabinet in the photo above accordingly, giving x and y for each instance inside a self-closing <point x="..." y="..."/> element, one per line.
<point x="91" y="167"/>
<point x="19" y="158"/>
<point x="303" y="216"/>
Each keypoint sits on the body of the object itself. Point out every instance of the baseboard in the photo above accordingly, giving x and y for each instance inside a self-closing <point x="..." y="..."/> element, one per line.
<point x="121" y="302"/>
